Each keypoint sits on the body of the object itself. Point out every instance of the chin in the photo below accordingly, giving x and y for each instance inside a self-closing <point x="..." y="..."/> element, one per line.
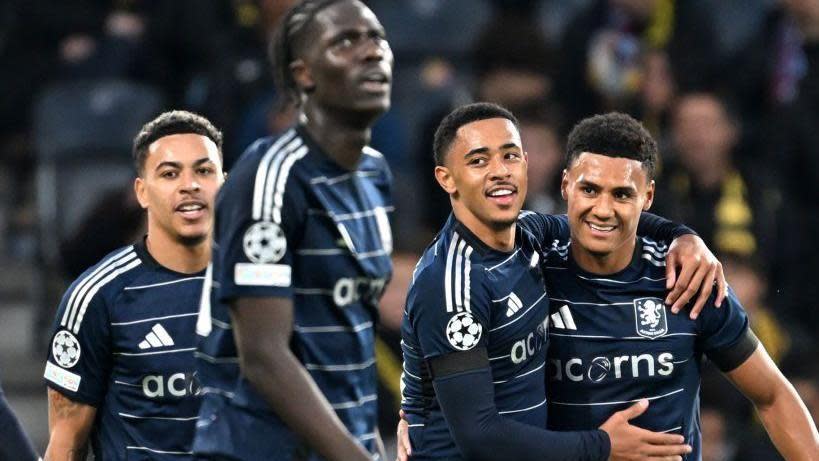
<point x="192" y="239"/>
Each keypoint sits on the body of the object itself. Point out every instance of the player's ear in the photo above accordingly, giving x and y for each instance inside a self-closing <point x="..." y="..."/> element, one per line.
<point x="564" y="184"/>
<point x="445" y="179"/>
<point x="141" y="193"/>
<point x="302" y="75"/>
<point x="649" y="195"/>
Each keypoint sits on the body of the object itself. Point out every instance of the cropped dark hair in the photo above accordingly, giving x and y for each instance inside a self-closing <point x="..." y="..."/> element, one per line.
<point x="287" y="41"/>
<point x="614" y="135"/>
<point x="461" y="116"/>
<point x="168" y="123"/>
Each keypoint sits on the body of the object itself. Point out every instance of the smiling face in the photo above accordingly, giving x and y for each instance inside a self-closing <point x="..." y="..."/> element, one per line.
<point x="605" y="198"/>
<point x="485" y="174"/>
<point x="348" y="67"/>
<point x="178" y="185"/>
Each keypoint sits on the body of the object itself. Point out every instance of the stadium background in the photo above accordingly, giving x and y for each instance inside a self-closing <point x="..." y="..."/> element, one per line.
<point x="728" y="87"/>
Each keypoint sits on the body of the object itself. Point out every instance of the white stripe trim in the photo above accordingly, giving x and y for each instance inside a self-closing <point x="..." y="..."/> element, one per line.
<point x="467" y="281"/>
<point x="590" y="304"/>
<point x="655" y="252"/>
<point x="278" y="197"/>
<point x="334" y="328"/>
<point x="520" y="375"/>
<point x="212" y="359"/>
<point x="522" y="409"/>
<point x="342" y="177"/>
<point x="93" y="291"/>
<point x="448" y="273"/>
<point x="160" y="451"/>
<point x="504" y="261"/>
<point x="123" y="383"/>
<point x="263" y="169"/>
<point x="141" y="287"/>
<point x="313" y="291"/>
<point x="591" y="279"/>
<point x="354" y="403"/>
<point x="134" y="354"/>
<point x="669" y="430"/>
<point x="118" y="324"/>
<point x="345" y="367"/>
<point x="220" y="324"/>
<point x="621" y="337"/>
<point x="216" y="390"/>
<point x="322" y="251"/>
<point x="459" y="289"/>
<point x="616" y="402"/>
<point x="653" y="261"/>
<point x="70" y="306"/>
<point x="416" y="425"/>
<point x="353" y="215"/>
<point x="167" y="418"/>
<point x="521" y="315"/>
<point x="499" y="358"/>
<point x="372" y="152"/>
<point x="273" y="174"/>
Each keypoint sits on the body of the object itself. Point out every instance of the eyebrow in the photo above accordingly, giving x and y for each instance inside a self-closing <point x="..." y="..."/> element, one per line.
<point x="483" y="150"/>
<point x="199" y="162"/>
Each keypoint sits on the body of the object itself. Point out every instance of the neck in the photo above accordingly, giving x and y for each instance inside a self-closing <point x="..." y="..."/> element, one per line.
<point x="187" y="259"/>
<point x="603" y="263"/>
<point x="501" y="238"/>
<point x="342" y="137"/>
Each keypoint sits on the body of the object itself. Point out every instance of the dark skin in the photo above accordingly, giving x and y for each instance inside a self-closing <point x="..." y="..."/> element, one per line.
<point x="344" y="76"/>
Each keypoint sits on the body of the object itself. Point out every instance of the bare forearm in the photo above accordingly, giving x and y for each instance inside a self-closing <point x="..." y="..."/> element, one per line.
<point x="790" y="426"/>
<point x="69" y="425"/>
<point x="293" y="395"/>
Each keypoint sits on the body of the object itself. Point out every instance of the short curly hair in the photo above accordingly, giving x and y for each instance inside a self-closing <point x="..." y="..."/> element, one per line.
<point x="448" y="128"/>
<point x="166" y="124"/>
<point x="614" y="135"/>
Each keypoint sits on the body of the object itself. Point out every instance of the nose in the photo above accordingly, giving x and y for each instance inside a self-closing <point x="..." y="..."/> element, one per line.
<point x="190" y="183"/>
<point x="376" y="49"/>
<point x="603" y="208"/>
<point x="499" y="169"/>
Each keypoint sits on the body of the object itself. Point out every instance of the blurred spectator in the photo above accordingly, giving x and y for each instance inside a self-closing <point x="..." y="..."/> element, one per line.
<point x="751" y="287"/>
<point x="706" y="187"/>
<point x="604" y="49"/>
<point x="717" y="441"/>
<point x="540" y="135"/>
<point x="514" y="67"/>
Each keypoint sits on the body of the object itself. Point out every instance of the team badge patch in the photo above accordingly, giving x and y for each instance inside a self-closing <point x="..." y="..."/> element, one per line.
<point x="463" y="332"/>
<point x="66" y="349"/>
<point x="264" y="242"/>
<point x="650" y="316"/>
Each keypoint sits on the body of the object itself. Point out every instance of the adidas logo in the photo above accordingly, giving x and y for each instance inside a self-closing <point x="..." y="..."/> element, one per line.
<point x="562" y="319"/>
<point x="157" y="337"/>
<point x="513" y="304"/>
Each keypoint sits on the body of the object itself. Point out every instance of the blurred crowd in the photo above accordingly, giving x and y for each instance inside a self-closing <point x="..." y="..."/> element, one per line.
<point x="729" y="88"/>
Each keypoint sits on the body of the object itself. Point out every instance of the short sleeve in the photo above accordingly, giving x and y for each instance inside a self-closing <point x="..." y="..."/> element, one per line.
<point x="259" y="216"/>
<point x="449" y="313"/>
<point x="723" y="334"/>
<point x="547" y="229"/>
<point x="79" y="355"/>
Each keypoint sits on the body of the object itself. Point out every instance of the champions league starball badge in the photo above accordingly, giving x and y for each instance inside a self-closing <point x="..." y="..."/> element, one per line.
<point x="264" y="242"/>
<point x="66" y="349"/>
<point x="463" y="332"/>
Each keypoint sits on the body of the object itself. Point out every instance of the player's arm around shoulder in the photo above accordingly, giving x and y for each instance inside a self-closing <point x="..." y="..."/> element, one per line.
<point x="784" y="415"/>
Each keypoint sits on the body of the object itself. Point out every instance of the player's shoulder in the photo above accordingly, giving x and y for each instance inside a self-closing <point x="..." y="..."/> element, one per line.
<point x="653" y="253"/>
<point x="450" y="270"/>
<point x="374" y="161"/>
<point x="102" y="282"/>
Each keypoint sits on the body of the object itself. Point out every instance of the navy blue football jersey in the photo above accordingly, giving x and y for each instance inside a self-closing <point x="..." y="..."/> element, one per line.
<point x="123" y="342"/>
<point x="292" y="223"/>
<point x="464" y="295"/>
<point x="613" y="341"/>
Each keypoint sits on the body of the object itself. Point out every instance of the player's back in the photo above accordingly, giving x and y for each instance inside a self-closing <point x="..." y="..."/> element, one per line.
<point x="290" y="223"/>
<point x="123" y="342"/>
<point x="612" y="341"/>
<point x="466" y="295"/>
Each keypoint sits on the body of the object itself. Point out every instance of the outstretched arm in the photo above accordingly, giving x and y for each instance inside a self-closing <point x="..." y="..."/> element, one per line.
<point x="262" y="330"/>
<point x="781" y="410"/>
<point x="69" y="425"/>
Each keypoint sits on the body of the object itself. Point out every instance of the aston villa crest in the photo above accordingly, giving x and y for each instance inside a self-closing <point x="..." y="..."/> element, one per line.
<point x="650" y="316"/>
